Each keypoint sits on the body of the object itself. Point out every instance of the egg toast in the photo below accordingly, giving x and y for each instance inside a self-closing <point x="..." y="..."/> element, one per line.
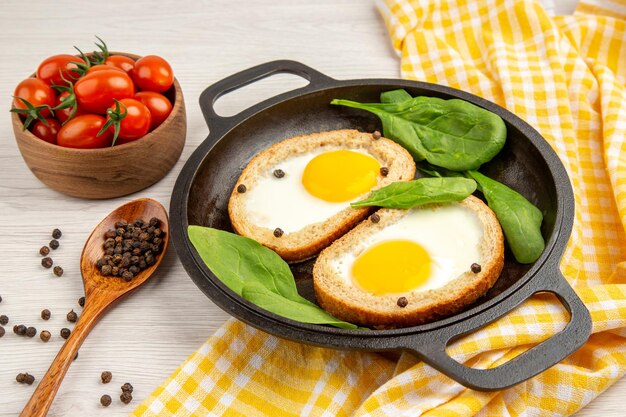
<point x="402" y="268"/>
<point x="294" y="197"/>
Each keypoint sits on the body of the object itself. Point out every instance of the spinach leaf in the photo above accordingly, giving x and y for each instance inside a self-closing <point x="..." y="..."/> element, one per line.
<point x="453" y="133"/>
<point x="395" y="96"/>
<point x="305" y="313"/>
<point x="236" y="260"/>
<point x="257" y="274"/>
<point x="520" y="219"/>
<point x="408" y="194"/>
<point x="433" y="171"/>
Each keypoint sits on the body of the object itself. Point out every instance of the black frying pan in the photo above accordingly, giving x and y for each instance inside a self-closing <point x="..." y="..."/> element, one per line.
<point x="527" y="164"/>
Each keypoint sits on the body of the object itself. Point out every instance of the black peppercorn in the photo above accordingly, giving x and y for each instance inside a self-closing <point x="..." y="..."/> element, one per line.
<point x="126" y="397"/>
<point x="19" y="329"/>
<point x="72" y="316"/>
<point x="278" y="232"/>
<point x="241" y="188"/>
<point x="46" y="262"/>
<point x="138" y="223"/>
<point x="45" y="314"/>
<point x="127" y="387"/>
<point x="56" y="233"/>
<point x="31" y="332"/>
<point x="54" y="244"/>
<point x="115" y="271"/>
<point x="58" y="271"/>
<point x="106" y="377"/>
<point x="154" y="222"/>
<point x="150" y="260"/>
<point x="376" y="135"/>
<point x="2" y="331"/>
<point x="279" y="173"/>
<point x="105" y="400"/>
<point x="25" y="378"/>
<point x="44" y="251"/>
<point x="45" y="335"/>
<point x="158" y="232"/>
<point x="65" y="333"/>
<point x="384" y="171"/>
<point x="81" y="301"/>
<point x="110" y="234"/>
<point x="375" y="218"/>
<point x="4" y="320"/>
<point x="106" y="270"/>
<point x="476" y="268"/>
<point x="128" y="276"/>
<point x="121" y="223"/>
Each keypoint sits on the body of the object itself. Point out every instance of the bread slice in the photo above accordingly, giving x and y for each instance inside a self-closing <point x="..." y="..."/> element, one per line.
<point x="342" y="298"/>
<point x="307" y="242"/>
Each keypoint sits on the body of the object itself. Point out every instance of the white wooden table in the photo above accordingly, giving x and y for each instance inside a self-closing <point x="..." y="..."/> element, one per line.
<point x="149" y="334"/>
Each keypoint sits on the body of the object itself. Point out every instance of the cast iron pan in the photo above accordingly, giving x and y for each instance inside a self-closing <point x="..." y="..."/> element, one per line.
<point x="527" y="164"/>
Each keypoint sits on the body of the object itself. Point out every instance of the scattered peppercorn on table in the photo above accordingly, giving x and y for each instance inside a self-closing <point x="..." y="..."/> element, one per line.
<point x="148" y="335"/>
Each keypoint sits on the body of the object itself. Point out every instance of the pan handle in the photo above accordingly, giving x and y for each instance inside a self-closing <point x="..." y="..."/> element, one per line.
<point x="526" y="365"/>
<point x="248" y="76"/>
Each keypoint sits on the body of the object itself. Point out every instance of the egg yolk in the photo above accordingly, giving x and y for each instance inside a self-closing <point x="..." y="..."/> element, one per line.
<point x="339" y="176"/>
<point x="393" y="266"/>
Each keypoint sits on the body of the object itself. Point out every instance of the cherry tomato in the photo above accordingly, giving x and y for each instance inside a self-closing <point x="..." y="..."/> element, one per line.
<point x="136" y="123"/>
<point x="36" y="92"/>
<point x="49" y="71"/>
<point x="102" y="67"/>
<point x="97" y="91"/>
<point x="64" y="114"/>
<point x="153" y="73"/>
<point x="82" y="132"/>
<point x="123" y="62"/>
<point x="159" y="106"/>
<point x="48" y="133"/>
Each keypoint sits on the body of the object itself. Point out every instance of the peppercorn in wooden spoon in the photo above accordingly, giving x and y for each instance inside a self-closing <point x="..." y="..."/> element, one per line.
<point x="101" y="292"/>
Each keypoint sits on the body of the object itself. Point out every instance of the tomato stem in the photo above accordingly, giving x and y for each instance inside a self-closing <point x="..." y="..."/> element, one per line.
<point x="115" y="117"/>
<point x="101" y="56"/>
<point x="32" y="112"/>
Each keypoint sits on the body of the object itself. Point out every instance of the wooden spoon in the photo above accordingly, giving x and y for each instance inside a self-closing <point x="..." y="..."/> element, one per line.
<point x="100" y="294"/>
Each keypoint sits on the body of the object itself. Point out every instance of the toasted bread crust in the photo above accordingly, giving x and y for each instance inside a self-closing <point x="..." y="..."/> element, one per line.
<point x="308" y="242"/>
<point x="354" y="305"/>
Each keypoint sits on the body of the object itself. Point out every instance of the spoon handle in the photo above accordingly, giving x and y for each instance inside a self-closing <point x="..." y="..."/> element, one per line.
<point x="42" y="398"/>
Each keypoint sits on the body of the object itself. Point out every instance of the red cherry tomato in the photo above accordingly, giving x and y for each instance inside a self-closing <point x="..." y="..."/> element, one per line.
<point x="64" y="114"/>
<point x="102" y="67"/>
<point x="136" y="123"/>
<point x="82" y="132"/>
<point x="36" y="92"/>
<point x="123" y="62"/>
<point x="48" y="133"/>
<point x="159" y="106"/>
<point x="96" y="92"/>
<point x="153" y="73"/>
<point x="49" y="71"/>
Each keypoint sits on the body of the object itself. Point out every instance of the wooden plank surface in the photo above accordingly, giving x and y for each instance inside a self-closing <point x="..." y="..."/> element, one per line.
<point x="148" y="335"/>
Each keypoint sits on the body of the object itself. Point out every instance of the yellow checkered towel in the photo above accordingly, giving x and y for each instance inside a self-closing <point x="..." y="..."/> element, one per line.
<point x="566" y="76"/>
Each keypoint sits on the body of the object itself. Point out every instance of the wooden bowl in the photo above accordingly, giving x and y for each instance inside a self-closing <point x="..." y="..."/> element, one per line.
<point x="108" y="172"/>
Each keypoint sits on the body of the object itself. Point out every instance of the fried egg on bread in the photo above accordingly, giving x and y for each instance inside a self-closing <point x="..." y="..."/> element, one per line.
<point x="294" y="197"/>
<point x="411" y="266"/>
